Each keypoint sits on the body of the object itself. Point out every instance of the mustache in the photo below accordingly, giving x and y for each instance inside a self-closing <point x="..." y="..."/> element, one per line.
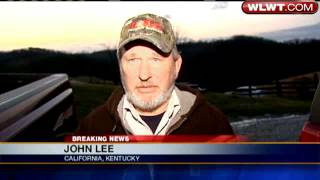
<point x="146" y="85"/>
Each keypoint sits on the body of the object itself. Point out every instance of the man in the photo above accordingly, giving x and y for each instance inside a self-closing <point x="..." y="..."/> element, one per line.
<point x="150" y="103"/>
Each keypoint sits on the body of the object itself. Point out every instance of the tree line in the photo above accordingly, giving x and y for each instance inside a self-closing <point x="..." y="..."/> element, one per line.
<point x="217" y="65"/>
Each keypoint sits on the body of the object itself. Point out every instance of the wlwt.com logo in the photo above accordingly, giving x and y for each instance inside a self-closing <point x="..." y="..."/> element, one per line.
<point x="279" y="7"/>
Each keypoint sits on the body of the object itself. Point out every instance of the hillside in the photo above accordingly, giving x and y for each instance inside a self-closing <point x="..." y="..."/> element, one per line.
<point x="218" y="65"/>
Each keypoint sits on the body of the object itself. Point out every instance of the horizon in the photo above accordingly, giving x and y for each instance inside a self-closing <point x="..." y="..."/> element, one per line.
<point x="114" y="49"/>
<point x="75" y="27"/>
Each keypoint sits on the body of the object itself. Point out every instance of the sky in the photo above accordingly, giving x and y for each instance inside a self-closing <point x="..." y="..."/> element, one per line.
<point x="90" y="26"/>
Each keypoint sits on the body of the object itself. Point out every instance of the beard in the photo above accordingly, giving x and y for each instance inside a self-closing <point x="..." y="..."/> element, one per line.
<point x="151" y="105"/>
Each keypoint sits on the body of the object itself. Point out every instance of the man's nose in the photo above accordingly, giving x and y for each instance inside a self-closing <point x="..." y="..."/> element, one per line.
<point x="144" y="71"/>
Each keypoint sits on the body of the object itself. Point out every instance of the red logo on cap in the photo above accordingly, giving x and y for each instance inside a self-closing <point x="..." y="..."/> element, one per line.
<point x="148" y="23"/>
<point x="133" y="25"/>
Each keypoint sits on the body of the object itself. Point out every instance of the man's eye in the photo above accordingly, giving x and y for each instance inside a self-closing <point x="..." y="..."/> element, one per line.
<point x="156" y="59"/>
<point x="132" y="60"/>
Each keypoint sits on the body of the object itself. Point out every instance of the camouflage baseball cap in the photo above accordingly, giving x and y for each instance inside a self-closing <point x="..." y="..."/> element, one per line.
<point x="148" y="27"/>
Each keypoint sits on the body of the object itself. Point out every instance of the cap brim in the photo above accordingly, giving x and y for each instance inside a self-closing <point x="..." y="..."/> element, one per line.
<point x="162" y="47"/>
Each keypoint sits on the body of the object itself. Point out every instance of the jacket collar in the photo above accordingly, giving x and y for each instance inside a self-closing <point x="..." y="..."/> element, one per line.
<point x="189" y="104"/>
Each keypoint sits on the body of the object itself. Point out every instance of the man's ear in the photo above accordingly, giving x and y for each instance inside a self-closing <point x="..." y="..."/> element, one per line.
<point x="178" y="63"/>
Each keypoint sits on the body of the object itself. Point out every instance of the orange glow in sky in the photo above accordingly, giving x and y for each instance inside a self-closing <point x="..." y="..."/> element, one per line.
<point x="89" y="26"/>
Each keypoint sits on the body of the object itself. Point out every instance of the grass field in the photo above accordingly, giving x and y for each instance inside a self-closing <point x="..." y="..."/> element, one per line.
<point x="238" y="106"/>
<point x="88" y="96"/>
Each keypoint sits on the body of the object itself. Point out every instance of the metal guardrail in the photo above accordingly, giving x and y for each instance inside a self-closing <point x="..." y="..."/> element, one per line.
<point x="27" y="120"/>
<point x="20" y="107"/>
<point x="297" y="89"/>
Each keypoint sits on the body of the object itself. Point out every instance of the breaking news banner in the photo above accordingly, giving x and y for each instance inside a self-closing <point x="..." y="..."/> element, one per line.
<point x="279" y="7"/>
<point x="158" y="138"/>
<point x="157" y="149"/>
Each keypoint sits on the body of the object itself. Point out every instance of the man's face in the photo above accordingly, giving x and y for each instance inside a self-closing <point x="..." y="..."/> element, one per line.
<point x="148" y="76"/>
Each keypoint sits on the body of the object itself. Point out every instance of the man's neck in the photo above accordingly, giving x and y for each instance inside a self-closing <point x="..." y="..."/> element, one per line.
<point x="157" y="111"/>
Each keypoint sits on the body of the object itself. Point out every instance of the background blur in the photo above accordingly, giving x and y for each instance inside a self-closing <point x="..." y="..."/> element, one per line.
<point x="261" y="70"/>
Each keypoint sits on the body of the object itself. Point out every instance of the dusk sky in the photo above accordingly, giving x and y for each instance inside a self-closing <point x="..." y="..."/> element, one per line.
<point x="90" y="26"/>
